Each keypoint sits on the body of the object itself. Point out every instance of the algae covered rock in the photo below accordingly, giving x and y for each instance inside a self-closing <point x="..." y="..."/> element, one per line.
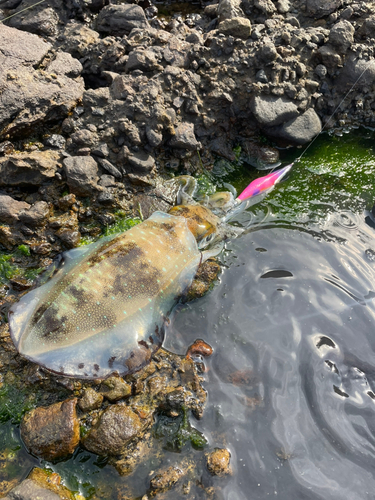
<point x="117" y="426"/>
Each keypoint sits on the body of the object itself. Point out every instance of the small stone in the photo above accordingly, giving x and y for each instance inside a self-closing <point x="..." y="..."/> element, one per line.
<point x="111" y="169"/>
<point x="51" y="432"/>
<point x="100" y="150"/>
<point x="341" y="36"/>
<point x="107" y="181"/>
<point x="69" y="237"/>
<point x="6" y="148"/>
<point x="91" y="400"/>
<point x="106" y="198"/>
<point x="81" y="174"/>
<point x="321" y="8"/>
<point x="184" y="137"/>
<point x="10" y="209"/>
<point x="142" y="59"/>
<point x="261" y="76"/>
<point x="141" y="162"/>
<point x="36" y="215"/>
<point x="270" y="111"/>
<point x="66" y="202"/>
<point x="164" y="481"/>
<point x="218" y="462"/>
<point x="320" y="70"/>
<point x="121" y="19"/>
<point x="283" y="6"/>
<point x="82" y="138"/>
<point x="117" y="426"/>
<point x="56" y="141"/>
<point x="240" y="27"/>
<point x="115" y="388"/>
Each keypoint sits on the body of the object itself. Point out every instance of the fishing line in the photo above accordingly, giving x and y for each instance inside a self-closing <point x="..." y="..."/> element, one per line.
<point x="335" y="111"/>
<point x="23" y="10"/>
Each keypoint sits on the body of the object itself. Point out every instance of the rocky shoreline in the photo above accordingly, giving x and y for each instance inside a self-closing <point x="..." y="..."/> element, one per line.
<point x="102" y="104"/>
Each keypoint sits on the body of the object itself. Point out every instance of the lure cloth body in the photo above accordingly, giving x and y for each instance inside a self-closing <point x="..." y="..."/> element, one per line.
<point x="104" y="309"/>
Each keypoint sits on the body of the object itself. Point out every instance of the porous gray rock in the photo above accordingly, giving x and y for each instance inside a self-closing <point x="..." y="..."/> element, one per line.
<point x="141" y="162"/>
<point x="227" y="9"/>
<point x="341" y="36"/>
<point x="143" y="59"/>
<point x="321" y="8"/>
<point x="55" y="141"/>
<point x="270" y="111"/>
<point x="265" y="6"/>
<point x="117" y="426"/>
<point x="239" y="27"/>
<point x="29" y="169"/>
<point x="29" y="92"/>
<point x="121" y="19"/>
<point x="42" y="23"/>
<point x="302" y="129"/>
<point x="10" y="209"/>
<point x="184" y="137"/>
<point x="358" y="71"/>
<point x="367" y="30"/>
<point x="81" y="174"/>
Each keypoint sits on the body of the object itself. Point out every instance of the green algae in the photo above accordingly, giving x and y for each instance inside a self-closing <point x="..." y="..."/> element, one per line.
<point x="176" y="432"/>
<point x="15" y="402"/>
<point x="122" y="223"/>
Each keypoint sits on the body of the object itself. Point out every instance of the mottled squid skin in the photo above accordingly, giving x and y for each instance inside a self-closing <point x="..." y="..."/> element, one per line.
<point x="104" y="309"/>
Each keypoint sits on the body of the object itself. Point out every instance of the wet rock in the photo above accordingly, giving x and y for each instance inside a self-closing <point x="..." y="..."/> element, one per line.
<point x="240" y="27"/>
<point x="66" y="202"/>
<point x="164" y="481"/>
<point x="199" y="348"/>
<point x="81" y="174"/>
<point x="270" y="110"/>
<point x="51" y="432"/>
<point x="121" y="19"/>
<point x="184" y="138"/>
<point x="141" y="162"/>
<point x="42" y="23"/>
<point x="302" y="129"/>
<point x="36" y="215"/>
<point x="218" y="462"/>
<point x="29" y="490"/>
<point x="115" y="388"/>
<point x="44" y="248"/>
<point x="10" y="209"/>
<point x="117" y="426"/>
<point x="106" y="197"/>
<point x="91" y="400"/>
<point x="55" y="141"/>
<point x="341" y="36"/>
<point x="207" y="273"/>
<point x="70" y="238"/>
<point x="107" y="165"/>
<point x="29" y="169"/>
<point x="321" y="8"/>
<point x="32" y="94"/>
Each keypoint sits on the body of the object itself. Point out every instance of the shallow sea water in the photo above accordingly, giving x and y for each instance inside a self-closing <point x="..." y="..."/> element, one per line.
<point x="291" y="383"/>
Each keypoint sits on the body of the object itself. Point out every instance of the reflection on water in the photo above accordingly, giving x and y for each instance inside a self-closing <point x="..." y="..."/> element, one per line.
<point x="292" y="380"/>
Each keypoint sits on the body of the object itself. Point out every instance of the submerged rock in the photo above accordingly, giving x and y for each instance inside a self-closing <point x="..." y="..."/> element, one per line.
<point x="218" y="462"/>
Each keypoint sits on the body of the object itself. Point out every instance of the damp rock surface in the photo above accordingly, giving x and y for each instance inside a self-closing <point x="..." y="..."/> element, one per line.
<point x="51" y="432"/>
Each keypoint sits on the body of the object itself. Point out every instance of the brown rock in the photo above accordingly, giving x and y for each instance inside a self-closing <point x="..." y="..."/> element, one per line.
<point x="28" y="169"/>
<point x="165" y="480"/>
<point x="117" y="426"/>
<point x="51" y="432"/>
<point x="218" y="462"/>
<point x="50" y="482"/>
<point x="91" y="400"/>
<point x="10" y="208"/>
<point x="114" y="388"/>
